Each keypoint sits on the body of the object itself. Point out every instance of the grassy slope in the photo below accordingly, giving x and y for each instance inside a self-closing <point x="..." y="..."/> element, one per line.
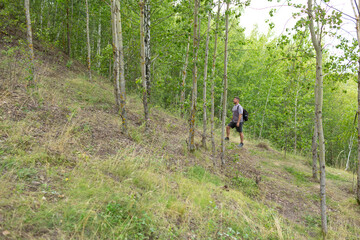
<point x="67" y="172"/>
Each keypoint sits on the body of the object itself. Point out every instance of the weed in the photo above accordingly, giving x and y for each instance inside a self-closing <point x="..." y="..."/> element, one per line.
<point x="200" y="174"/>
<point x="123" y="215"/>
<point x="300" y="177"/>
<point x="136" y="135"/>
<point x="26" y="173"/>
<point x="312" y="221"/>
<point x="247" y="185"/>
<point x="69" y="63"/>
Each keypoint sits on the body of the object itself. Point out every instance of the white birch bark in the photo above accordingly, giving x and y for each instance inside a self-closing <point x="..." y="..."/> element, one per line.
<point x="205" y="79"/>
<point x="145" y="61"/>
<point x="98" y="51"/>
<point x="351" y="141"/>
<point x="121" y="69"/>
<point x="194" y="86"/>
<point x="184" y="72"/>
<point x="88" y="40"/>
<point x="116" y="55"/>
<point x="314" y="150"/>
<point x="147" y="46"/>
<point x="213" y="83"/>
<point x="222" y="156"/>
<point x="68" y="41"/>
<point x="295" y="116"/>
<point x="316" y="40"/>
<point x="357" y="17"/>
<point x="41" y="14"/>
<point x="30" y="42"/>
<point x="358" y="163"/>
<point x="142" y="62"/>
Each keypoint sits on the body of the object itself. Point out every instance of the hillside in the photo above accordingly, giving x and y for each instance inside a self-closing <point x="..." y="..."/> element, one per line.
<point x="67" y="171"/>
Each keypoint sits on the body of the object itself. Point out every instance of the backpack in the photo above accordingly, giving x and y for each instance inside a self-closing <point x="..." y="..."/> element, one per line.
<point x="245" y="115"/>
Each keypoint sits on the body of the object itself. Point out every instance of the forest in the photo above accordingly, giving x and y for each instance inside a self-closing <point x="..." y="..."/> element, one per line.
<point x="191" y="58"/>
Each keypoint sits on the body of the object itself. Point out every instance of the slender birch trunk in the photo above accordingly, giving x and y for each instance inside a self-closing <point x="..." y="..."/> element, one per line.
<point x="205" y="79"/>
<point x="49" y="10"/>
<point x="221" y="100"/>
<point x="110" y="68"/>
<point x="314" y="145"/>
<point x="121" y="69"/>
<point x="184" y="71"/>
<point x="142" y="56"/>
<point x="316" y="40"/>
<point x="194" y="87"/>
<point x="225" y="84"/>
<point x="213" y="83"/>
<point x="116" y="55"/>
<point x="147" y="45"/>
<point x="54" y="16"/>
<point x="351" y="141"/>
<point x="30" y="42"/>
<point x="295" y="117"/>
<point x="41" y="14"/>
<point x="314" y="149"/>
<point x="68" y="47"/>
<point x="358" y="167"/>
<point x="98" y="51"/>
<point x="357" y="17"/>
<point x="88" y="40"/>
<point x="142" y="63"/>
<point x="145" y="61"/>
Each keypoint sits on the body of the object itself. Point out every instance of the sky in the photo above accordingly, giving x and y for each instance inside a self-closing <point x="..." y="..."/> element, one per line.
<point x="258" y="12"/>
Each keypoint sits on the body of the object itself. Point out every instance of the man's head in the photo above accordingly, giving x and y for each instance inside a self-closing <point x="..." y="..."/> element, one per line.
<point x="236" y="100"/>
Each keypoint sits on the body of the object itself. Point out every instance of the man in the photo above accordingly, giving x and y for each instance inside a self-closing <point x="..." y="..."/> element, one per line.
<point x="236" y="121"/>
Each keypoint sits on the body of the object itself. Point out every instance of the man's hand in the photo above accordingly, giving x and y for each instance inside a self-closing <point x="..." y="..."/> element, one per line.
<point x="237" y="124"/>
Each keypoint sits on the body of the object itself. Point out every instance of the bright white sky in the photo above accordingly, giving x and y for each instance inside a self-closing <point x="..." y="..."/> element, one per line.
<point x="258" y="12"/>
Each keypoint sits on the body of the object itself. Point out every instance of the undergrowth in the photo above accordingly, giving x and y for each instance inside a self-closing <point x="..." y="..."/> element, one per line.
<point x="67" y="172"/>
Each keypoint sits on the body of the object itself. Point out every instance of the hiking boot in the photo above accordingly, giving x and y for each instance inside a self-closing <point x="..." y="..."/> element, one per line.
<point x="227" y="139"/>
<point x="241" y="145"/>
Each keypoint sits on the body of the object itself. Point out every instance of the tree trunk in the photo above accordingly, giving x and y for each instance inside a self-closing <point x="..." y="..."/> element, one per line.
<point x="295" y="118"/>
<point x="316" y="40"/>
<point x="30" y="41"/>
<point x="205" y="79"/>
<point x="194" y="86"/>
<point x="225" y="84"/>
<point x="98" y="51"/>
<point x="68" y="49"/>
<point x="221" y="100"/>
<point x="314" y="150"/>
<point x="351" y="141"/>
<point x="213" y="83"/>
<point x="142" y="59"/>
<point x="88" y="40"/>
<point x="116" y="55"/>
<point x="147" y="60"/>
<point x="184" y="71"/>
<point x="145" y="56"/>
<point x="358" y="167"/>
<point x="121" y="69"/>
<point x="357" y="17"/>
<point x="41" y="14"/>
<point x="110" y="66"/>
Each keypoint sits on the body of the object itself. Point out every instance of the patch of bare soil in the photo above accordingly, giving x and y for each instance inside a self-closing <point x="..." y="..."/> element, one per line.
<point x="99" y="134"/>
<point x="15" y="104"/>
